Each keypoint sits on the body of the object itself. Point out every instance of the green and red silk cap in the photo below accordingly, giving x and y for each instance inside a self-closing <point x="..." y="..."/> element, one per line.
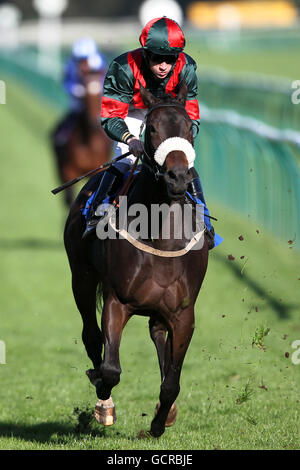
<point x="162" y="36"/>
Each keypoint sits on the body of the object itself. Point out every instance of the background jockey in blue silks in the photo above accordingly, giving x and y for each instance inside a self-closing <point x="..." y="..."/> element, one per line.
<point x="85" y="58"/>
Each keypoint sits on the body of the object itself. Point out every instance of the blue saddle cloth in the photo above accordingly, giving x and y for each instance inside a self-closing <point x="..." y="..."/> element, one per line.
<point x="87" y="209"/>
<point x="218" y="238"/>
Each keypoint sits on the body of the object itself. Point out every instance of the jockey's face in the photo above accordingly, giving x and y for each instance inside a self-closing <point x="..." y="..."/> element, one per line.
<point x="161" y="65"/>
<point x="83" y="66"/>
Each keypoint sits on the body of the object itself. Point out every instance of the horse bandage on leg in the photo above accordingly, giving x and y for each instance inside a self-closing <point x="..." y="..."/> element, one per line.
<point x="172" y="144"/>
<point x="105" y="412"/>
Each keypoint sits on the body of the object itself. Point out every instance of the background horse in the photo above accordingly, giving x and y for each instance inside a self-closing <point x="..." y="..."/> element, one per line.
<point x="135" y="282"/>
<point x="87" y="146"/>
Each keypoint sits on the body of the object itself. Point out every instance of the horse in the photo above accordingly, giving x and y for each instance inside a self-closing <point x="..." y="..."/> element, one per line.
<point x="159" y="279"/>
<point x="87" y="146"/>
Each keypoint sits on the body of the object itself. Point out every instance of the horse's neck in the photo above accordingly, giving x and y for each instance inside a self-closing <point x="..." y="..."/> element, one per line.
<point x="93" y="106"/>
<point x="153" y="198"/>
<point x="148" y="191"/>
<point x="92" y="97"/>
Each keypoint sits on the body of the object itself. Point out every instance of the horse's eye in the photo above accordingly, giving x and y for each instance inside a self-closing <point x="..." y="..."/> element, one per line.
<point x="152" y="129"/>
<point x="172" y="175"/>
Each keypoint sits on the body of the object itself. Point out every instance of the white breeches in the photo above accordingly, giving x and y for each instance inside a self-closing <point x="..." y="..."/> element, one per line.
<point x="134" y="121"/>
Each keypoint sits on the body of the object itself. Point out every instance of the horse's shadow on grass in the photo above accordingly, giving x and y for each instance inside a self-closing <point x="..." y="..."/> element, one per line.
<point x="41" y="432"/>
<point x="57" y="433"/>
<point x="50" y="432"/>
<point x="282" y="309"/>
<point x="30" y="244"/>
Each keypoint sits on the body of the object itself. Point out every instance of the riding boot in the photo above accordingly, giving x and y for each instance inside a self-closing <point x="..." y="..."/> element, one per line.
<point x="102" y="192"/>
<point x="195" y="189"/>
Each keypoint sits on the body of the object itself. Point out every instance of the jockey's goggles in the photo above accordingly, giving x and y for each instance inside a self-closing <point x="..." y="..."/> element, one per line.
<point x="159" y="59"/>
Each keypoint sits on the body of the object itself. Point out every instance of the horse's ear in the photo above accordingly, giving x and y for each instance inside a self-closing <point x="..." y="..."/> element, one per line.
<point x="149" y="99"/>
<point x="182" y="93"/>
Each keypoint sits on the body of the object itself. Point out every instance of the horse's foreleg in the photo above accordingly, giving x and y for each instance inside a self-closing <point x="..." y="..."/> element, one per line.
<point x="158" y="336"/>
<point x="114" y="318"/>
<point x="84" y="290"/>
<point x="182" y="331"/>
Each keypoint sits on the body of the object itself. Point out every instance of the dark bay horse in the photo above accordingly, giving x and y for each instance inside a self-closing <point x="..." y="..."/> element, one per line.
<point x="141" y="281"/>
<point x="87" y="146"/>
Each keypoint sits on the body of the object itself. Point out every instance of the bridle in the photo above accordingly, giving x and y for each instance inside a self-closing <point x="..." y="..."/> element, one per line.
<point x="151" y="165"/>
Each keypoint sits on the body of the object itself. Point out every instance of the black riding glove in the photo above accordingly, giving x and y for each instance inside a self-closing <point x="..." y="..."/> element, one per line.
<point x="136" y="147"/>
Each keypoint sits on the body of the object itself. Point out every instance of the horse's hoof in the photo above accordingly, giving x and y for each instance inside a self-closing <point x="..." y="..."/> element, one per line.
<point x="105" y="412"/>
<point x="171" y="418"/>
<point x="156" y="431"/>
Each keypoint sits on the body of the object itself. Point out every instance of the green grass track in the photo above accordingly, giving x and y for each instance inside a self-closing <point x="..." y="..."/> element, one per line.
<point x="239" y="388"/>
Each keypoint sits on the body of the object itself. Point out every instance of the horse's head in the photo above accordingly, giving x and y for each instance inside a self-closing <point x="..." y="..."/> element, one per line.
<point x="92" y="81"/>
<point x="169" y="140"/>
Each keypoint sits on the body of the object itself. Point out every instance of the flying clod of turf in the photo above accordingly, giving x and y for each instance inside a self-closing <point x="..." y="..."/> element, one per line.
<point x="245" y="394"/>
<point x="260" y="332"/>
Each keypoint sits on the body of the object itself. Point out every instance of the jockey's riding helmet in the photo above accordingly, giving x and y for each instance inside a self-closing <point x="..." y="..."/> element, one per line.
<point x="84" y="48"/>
<point x="162" y="36"/>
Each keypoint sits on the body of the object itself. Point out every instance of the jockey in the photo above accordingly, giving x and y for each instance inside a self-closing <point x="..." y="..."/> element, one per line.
<point x="85" y="58"/>
<point x="160" y="65"/>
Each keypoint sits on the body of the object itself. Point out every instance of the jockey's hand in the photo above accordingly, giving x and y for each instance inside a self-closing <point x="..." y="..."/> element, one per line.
<point x="136" y="147"/>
